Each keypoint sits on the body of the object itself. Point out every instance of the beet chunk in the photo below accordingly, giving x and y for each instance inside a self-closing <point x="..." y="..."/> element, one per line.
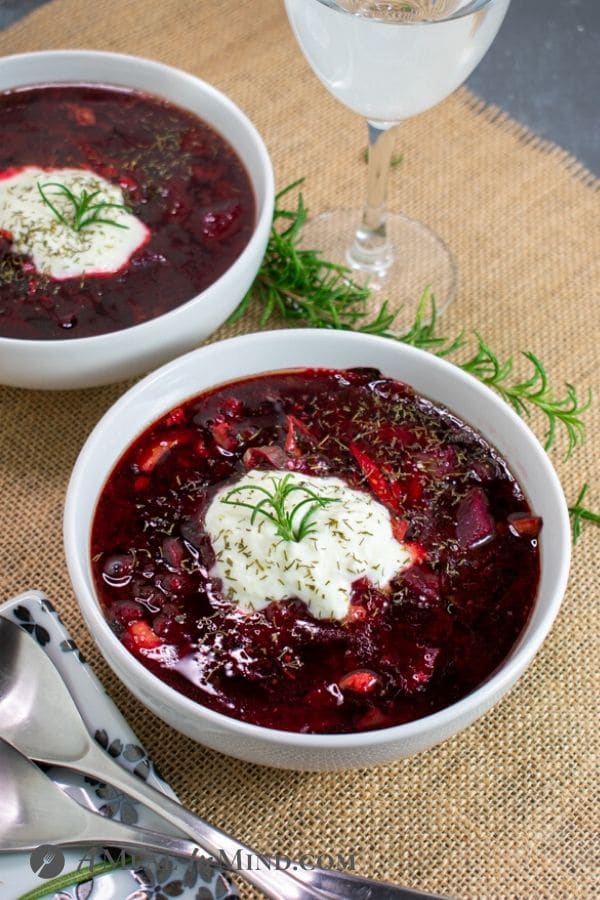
<point x="474" y="523"/>
<point x="424" y="582"/>
<point x="524" y="525"/>
<point x="265" y="457"/>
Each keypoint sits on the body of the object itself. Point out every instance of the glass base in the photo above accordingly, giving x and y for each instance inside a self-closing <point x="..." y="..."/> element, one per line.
<point x="419" y="261"/>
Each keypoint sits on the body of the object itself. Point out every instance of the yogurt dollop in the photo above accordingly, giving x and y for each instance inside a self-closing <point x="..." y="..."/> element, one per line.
<point x="350" y="538"/>
<point x="56" y="249"/>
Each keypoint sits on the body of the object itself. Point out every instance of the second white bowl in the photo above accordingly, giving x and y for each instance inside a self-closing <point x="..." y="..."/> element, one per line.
<point x="269" y="351"/>
<point x="89" y="361"/>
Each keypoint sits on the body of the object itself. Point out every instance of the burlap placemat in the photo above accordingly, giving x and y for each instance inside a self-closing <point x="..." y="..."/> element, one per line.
<point x="506" y="809"/>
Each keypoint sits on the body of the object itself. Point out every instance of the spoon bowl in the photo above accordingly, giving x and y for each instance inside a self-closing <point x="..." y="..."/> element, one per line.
<point x="31" y="692"/>
<point x="35" y="811"/>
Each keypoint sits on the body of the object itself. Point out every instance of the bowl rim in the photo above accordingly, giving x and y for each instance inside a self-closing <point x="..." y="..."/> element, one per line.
<point x="263" y="216"/>
<point x="491" y="690"/>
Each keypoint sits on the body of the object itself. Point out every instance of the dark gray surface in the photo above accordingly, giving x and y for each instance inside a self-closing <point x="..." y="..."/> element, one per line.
<point x="11" y="10"/>
<point x="543" y="69"/>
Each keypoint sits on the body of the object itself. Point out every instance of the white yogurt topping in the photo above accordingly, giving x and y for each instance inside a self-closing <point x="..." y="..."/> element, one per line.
<point x="55" y="248"/>
<point x="352" y="538"/>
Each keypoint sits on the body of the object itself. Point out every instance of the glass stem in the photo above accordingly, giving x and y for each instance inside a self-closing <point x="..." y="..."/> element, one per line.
<point x="371" y="251"/>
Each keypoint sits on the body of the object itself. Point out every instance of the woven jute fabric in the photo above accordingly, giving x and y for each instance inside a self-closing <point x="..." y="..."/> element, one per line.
<point x="509" y="808"/>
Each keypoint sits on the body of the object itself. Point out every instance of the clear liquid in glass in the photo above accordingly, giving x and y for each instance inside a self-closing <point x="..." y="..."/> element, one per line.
<point x="389" y="59"/>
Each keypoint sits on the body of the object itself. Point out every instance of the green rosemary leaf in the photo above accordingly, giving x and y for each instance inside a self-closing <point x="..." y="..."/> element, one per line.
<point x="85" y="213"/>
<point x="281" y="516"/>
<point x="49" y="203"/>
<point x="579" y="513"/>
<point x="70" y="879"/>
<point x="422" y="332"/>
<point x="241" y="310"/>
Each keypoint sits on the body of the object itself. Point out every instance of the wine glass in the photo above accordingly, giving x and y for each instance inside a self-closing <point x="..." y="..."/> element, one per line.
<point x="389" y="60"/>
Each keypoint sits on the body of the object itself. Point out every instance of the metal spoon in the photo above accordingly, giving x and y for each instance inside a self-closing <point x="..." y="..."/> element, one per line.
<point x="34" y="811"/>
<point x="34" y="698"/>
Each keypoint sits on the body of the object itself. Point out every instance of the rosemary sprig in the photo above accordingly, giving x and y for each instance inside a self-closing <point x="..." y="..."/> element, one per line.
<point x="85" y="212"/>
<point x="579" y="514"/>
<point x="422" y="332"/>
<point x="70" y="879"/>
<point x="534" y="391"/>
<point x="297" y="284"/>
<point x="273" y="506"/>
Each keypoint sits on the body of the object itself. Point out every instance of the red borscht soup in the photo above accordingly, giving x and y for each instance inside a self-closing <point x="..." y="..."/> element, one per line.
<point x="185" y="186"/>
<point x="317" y="551"/>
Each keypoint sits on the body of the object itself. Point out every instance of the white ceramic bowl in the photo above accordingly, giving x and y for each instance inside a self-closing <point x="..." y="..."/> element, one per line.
<point x="252" y="354"/>
<point x="88" y="361"/>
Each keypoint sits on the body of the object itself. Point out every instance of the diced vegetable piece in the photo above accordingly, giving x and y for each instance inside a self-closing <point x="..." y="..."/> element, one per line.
<point x="223" y="435"/>
<point x="376" y="479"/>
<point x="356" y="613"/>
<point x="418" y="553"/>
<point x="474" y="524"/>
<point x="295" y="429"/>
<point x="127" y="611"/>
<point x="399" y="528"/>
<point x="232" y="407"/>
<point x="143" y="636"/>
<point x="423" y="581"/>
<point x="150" y="456"/>
<point x="173" y="552"/>
<point x="360" y="681"/>
<point x="437" y="461"/>
<point x="259" y="457"/>
<point x="524" y="525"/>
